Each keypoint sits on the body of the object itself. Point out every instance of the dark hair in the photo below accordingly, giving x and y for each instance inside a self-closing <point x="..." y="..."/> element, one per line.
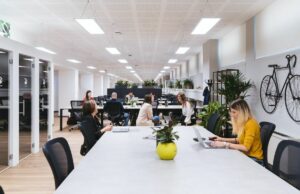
<point x="148" y="98"/>
<point x="88" y="107"/>
<point x="182" y="96"/>
<point x="87" y="95"/>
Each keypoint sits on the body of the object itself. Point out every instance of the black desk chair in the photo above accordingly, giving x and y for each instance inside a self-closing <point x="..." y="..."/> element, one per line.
<point x="115" y="114"/>
<point x="76" y="114"/>
<point x="88" y="136"/>
<point x="213" y="122"/>
<point x="1" y="190"/>
<point x="59" y="156"/>
<point x="266" y="131"/>
<point x="287" y="162"/>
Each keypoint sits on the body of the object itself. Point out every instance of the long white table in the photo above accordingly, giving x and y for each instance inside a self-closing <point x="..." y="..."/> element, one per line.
<point x="125" y="163"/>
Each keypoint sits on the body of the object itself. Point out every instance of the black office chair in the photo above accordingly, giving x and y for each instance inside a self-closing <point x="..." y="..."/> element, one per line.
<point x="115" y="114"/>
<point x="266" y="131"/>
<point x="287" y="162"/>
<point x="213" y="122"/>
<point x="59" y="156"/>
<point x="1" y="190"/>
<point x="89" y="138"/>
<point x="75" y="114"/>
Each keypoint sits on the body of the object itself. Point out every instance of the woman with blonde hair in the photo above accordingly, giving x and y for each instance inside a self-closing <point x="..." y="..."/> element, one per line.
<point x="247" y="130"/>
<point x="187" y="109"/>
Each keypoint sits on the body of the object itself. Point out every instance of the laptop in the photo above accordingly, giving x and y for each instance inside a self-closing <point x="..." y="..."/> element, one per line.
<point x="120" y="129"/>
<point x="205" y="144"/>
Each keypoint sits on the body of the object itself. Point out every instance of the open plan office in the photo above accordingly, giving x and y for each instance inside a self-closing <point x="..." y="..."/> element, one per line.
<point x="160" y="96"/>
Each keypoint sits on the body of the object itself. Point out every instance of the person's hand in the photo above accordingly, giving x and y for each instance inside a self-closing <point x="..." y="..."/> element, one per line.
<point x="216" y="138"/>
<point x="218" y="144"/>
<point x="107" y="128"/>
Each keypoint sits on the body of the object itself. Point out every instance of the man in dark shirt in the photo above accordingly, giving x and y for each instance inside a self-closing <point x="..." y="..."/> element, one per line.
<point x="114" y="106"/>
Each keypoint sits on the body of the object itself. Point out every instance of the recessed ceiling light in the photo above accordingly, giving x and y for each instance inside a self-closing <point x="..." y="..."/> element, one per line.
<point x="122" y="61"/>
<point x="91" y="67"/>
<point x="132" y="71"/>
<point x="162" y="71"/>
<point x="2" y="52"/>
<point x="73" y="61"/>
<point x="166" y="67"/>
<point x="90" y="25"/>
<point x="128" y="67"/>
<point x="205" y="25"/>
<point x="45" y="50"/>
<point x="182" y="50"/>
<point x="102" y="71"/>
<point x="113" y="51"/>
<point x="172" y="61"/>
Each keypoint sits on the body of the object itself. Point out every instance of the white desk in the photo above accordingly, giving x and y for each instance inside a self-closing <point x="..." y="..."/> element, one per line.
<point x="125" y="163"/>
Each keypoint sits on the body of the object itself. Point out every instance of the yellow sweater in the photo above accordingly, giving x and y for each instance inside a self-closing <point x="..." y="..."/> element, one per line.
<point x="250" y="138"/>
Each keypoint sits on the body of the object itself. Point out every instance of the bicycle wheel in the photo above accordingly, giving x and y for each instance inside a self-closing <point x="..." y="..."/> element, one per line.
<point x="292" y="98"/>
<point x="268" y="94"/>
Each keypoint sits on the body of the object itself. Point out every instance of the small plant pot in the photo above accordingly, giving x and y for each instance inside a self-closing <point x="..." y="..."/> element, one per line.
<point x="166" y="151"/>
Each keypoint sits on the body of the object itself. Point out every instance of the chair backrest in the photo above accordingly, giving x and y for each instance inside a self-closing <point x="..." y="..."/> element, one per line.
<point x="76" y="103"/>
<point x="88" y="135"/>
<point x="1" y="190"/>
<point x="266" y="131"/>
<point x="212" y="122"/>
<point x="59" y="156"/>
<point x="287" y="162"/>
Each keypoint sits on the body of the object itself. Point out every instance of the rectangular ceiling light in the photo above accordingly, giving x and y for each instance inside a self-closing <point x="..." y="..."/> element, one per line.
<point x="132" y="71"/>
<point x="162" y="71"/>
<point x="172" y="61"/>
<point x="91" y="67"/>
<point x="122" y="61"/>
<point x="90" y="25"/>
<point x="205" y="25"/>
<point x="166" y="67"/>
<point x="182" y="50"/>
<point x="2" y="52"/>
<point x="28" y="59"/>
<point x="113" y="51"/>
<point x="128" y="67"/>
<point x="73" y="61"/>
<point x="102" y="71"/>
<point x="45" y="50"/>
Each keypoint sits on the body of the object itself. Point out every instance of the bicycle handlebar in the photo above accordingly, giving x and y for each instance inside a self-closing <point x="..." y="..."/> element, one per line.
<point x="292" y="58"/>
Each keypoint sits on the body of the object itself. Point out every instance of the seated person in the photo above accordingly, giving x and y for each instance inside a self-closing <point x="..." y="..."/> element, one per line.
<point x="88" y="96"/>
<point x="114" y="104"/>
<point x="89" y="115"/>
<point x="247" y="130"/>
<point x="145" y="117"/>
<point x="129" y="97"/>
<point x="187" y="109"/>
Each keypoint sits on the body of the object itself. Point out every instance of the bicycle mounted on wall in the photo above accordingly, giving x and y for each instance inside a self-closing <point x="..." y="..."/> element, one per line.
<point x="270" y="93"/>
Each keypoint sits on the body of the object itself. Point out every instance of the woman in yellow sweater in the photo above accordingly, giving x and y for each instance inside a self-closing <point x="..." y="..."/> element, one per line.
<point x="247" y="130"/>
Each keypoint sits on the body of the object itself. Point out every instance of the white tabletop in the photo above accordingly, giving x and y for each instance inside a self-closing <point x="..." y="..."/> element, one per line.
<point x="125" y="163"/>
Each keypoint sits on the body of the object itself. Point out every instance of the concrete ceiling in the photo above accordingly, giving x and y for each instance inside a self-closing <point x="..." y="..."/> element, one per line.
<point x="148" y="31"/>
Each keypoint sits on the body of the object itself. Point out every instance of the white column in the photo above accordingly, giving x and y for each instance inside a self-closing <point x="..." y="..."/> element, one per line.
<point x="97" y="91"/>
<point x="13" y="135"/>
<point x="50" y="100"/>
<point x="35" y="102"/>
<point x="101" y="85"/>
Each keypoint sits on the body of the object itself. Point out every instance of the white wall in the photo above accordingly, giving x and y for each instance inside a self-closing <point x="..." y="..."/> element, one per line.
<point x="86" y="82"/>
<point x="232" y="47"/>
<point x="193" y="65"/>
<point x="68" y="87"/>
<point x="97" y="91"/>
<point x="277" y="28"/>
<point x="184" y="70"/>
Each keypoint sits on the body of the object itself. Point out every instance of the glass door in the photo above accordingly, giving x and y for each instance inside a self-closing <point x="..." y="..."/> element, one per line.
<point x="25" y="63"/>
<point x="4" y="109"/>
<point x="43" y="101"/>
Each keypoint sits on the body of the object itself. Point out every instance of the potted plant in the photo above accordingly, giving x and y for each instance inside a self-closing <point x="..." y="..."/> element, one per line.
<point x="134" y="85"/>
<point x="121" y="84"/>
<point x="178" y="84"/>
<point x="149" y="83"/>
<point x="235" y="86"/>
<point x="166" y="148"/>
<point x="188" y="84"/>
<point x="171" y="85"/>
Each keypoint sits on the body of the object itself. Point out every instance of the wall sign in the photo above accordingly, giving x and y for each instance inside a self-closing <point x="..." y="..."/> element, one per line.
<point x="4" y="29"/>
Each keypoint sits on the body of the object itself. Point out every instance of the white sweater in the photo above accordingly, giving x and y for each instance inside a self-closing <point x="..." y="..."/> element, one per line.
<point x="187" y="111"/>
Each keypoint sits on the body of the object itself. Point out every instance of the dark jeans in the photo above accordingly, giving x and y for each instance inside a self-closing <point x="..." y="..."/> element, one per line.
<point x="261" y="162"/>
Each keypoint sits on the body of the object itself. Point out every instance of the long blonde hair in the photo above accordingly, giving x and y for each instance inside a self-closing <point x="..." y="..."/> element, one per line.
<point x="244" y="114"/>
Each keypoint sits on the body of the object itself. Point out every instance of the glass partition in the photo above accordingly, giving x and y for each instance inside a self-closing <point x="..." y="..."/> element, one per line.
<point x="43" y="101"/>
<point x="4" y="100"/>
<point x="25" y="63"/>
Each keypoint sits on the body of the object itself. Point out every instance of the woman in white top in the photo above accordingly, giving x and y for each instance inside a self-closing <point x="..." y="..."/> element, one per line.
<point x="187" y="109"/>
<point x="145" y="116"/>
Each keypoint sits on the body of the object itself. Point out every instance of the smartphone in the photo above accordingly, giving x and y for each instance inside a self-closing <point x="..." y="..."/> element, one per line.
<point x="212" y="138"/>
<point x="196" y="139"/>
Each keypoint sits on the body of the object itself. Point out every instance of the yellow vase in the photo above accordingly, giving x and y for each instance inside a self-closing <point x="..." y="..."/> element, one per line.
<point x="166" y="151"/>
